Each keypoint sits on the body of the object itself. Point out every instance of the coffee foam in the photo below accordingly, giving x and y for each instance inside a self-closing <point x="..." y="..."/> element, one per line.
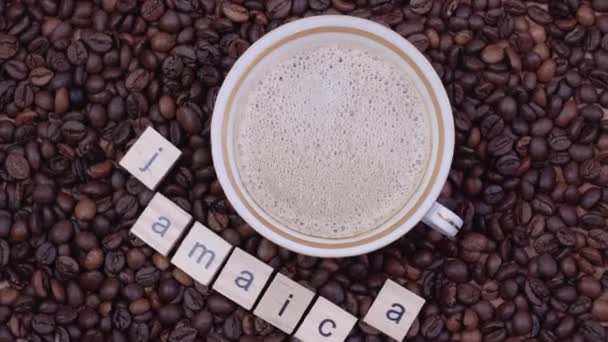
<point x="333" y="141"/>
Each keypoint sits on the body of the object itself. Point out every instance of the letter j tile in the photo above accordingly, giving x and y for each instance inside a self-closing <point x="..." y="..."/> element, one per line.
<point x="201" y="254"/>
<point x="150" y="158"/>
<point x="161" y="224"/>
<point x="243" y="278"/>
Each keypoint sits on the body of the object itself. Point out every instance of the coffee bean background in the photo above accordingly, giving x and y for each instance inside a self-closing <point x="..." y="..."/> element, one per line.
<point x="79" y="80"/>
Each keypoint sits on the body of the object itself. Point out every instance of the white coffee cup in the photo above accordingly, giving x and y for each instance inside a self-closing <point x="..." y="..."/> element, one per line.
<point x="298" y="34"/>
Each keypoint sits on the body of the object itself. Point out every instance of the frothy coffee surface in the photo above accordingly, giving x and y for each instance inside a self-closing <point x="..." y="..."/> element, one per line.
<point x="333" y="141"/>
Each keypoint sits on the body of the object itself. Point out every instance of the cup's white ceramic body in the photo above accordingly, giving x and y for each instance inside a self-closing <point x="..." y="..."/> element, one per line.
<point x="339" y="30"/>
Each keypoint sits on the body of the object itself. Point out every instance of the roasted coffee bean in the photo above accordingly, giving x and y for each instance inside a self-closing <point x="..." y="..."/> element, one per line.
<point x="580" y="152"/>
<point x="167" y="107"/>
<point x="23" y="96"/>
<point x="279" y="9"/>
<point x="152" y="10"/>
<point x="16" y="70"/>
<point x="9" y="46"/>
<point x="189" y="118"/>
<point x="4" y="253"/>
<point x="491" y="126"/>
<point x="468" y="294"/>
<point x="538" y="149"/>
<point x="193" y="299"/>
<point x="139" y="306"/>
<point x="493" y="194"/>
<point x="73" y="131"/>
<point x="61" y="232"/>
<point x="43" y="324"/>
<point x="66" y="315"/>
<point x="546" y="243"/>
<point x="522" y="323"/>
<point x="183" y="333"/>
<point x="232" y="327"/>
<point x="456" y="271"/>
<point x="500" y="145"/>
<point x="202" y="322"/>
<point x="559" y="141"/>
<point x="114" y="261"/>
<point x="186" y="5"/>
<point x="172" y="67"/>
<point x="121" y="318"/>
<point x="598" y="238"/>
<point x="333" y="291"/>
<point x="137" y="80"/>
<point x="77" y="53"/>
<point x="547" y="266"/>
<point x="67" y="267"/>
<point x="17" y="166"/>
<point x="169" y="314"/>
<point x="472" y="242"/>
<point x="162" y="41"/>
<point x="99" y="42"/>
<point x="599" y="309"/>
<point x="421" y="7"/>
<point x="432" y="327"/>
<point x="58" y="61"/>
<point x="599" y="6"/>
<point x="492" y="54"/>
<point x="508" y="165"/>
<point x="219" y="305"/>
<point x="139" y="332"/>
<point x="420" y="41"/>
<point x="235" y="12"/>
<point x="126" y="207"/>
<point x="566" y="237"/>
<point x="168" y="289"/>
<point x="592" y="331"/>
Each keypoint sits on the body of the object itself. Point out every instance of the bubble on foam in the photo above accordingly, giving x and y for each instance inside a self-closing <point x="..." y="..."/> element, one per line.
<point x="332" y="141"/>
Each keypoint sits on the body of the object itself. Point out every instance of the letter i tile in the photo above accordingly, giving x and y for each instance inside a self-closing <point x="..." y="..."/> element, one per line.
<point x="150" y="158"/>
<point x="201" y="254"/>
<point x="161" y="224"/>
<point x="284" y="303"/>
<point x="243" y="278"/>
<point x="394" y="310"/>
<point x="326" y="322"/>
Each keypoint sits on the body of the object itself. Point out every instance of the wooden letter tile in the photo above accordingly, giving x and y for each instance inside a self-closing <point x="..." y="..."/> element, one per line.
<point x="161" y="224"/>
<point x="284" y="303"/>
<point x="243" y="278"/>
<point x="326" y="322"/>
<point x="150" y="158"/>
<point x="201" y="254"/>
<point x="394" y="310"/>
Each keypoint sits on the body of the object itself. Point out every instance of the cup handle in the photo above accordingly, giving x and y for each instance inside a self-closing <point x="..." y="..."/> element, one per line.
<point x="443" y="220"/>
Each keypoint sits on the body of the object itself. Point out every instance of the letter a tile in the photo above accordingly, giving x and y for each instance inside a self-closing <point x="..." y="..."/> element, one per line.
<point x="394" y="310"/>
<point x="161" y="224"/>
<point x="150" y="158"/>
<point x="284" y="303"/>
<point x="201" y="254"/>
<point x="243" y="278"/>
<point x="326" y="322"/>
